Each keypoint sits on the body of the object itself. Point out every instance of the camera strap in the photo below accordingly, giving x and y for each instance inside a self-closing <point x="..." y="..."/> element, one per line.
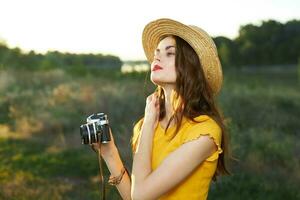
<point x="102" y="184"/>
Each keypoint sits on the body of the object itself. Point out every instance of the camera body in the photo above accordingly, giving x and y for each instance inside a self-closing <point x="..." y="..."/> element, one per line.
<point x="96" y="129"/>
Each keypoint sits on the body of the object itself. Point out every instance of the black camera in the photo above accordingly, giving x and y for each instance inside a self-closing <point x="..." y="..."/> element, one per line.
<point x="96" y="129"/>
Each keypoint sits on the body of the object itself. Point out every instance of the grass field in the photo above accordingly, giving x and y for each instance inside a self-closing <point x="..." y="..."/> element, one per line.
<point x="41" y="155"/>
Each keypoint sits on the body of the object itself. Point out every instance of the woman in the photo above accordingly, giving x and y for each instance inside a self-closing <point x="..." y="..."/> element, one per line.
<point x="180" y="144"/>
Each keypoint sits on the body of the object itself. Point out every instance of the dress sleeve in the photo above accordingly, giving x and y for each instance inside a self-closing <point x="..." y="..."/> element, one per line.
<point x="210" y="128"/>
<point x="136" y="134"/>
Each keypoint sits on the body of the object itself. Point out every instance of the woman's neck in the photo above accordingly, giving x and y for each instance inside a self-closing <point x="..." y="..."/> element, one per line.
<point x="168" y="91"/>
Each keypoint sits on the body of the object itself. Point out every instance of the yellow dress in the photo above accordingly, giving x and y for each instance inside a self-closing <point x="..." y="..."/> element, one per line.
<point x="196" y="185"/>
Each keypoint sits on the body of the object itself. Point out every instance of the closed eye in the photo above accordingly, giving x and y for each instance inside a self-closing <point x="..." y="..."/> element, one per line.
<point x="168" y="54"/>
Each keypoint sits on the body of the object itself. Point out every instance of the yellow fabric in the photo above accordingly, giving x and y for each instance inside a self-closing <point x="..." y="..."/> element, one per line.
<point x="196" y="185"/>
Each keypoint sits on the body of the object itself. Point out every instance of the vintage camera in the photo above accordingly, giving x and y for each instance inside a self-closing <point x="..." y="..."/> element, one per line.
<point x="96" y="129"/>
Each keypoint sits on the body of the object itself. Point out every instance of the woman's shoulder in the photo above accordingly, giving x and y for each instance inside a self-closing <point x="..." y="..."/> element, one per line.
<point x="205" y="126"/>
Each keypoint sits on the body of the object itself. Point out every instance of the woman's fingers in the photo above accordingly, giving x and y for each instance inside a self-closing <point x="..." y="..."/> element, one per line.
<point x="96" y="145"/>
<point x="152" y="103"/>
<point x="152" y="98"/>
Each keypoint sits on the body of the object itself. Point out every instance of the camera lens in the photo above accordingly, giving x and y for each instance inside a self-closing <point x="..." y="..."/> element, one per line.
<point x="88" y="133"/>
<point x="84" y="134"/>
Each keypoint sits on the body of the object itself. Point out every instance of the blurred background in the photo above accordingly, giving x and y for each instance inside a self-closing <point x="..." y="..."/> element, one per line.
<point x="61" y="61"/>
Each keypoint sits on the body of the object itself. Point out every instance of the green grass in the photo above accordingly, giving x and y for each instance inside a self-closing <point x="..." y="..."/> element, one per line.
<point x="41" y="155"/>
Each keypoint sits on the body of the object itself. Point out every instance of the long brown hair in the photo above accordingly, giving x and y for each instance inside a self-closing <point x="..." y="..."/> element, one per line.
<point x="193" y="97"/>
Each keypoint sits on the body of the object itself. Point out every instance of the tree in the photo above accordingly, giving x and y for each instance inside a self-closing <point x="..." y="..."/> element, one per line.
<point x="227" y="51"/>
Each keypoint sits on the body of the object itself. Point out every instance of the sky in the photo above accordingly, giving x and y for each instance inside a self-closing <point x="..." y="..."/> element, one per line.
<point x="115" y="26"/>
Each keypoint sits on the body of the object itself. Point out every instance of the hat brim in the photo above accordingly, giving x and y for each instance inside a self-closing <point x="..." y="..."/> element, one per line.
<point x="199" y="40"/>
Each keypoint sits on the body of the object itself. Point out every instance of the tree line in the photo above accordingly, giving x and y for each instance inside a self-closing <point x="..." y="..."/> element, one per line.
<point x="271" y="43"/>
<point x="15" y="58"/>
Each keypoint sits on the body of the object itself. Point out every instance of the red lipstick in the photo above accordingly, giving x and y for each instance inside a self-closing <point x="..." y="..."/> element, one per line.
<point x="156" y="67"/>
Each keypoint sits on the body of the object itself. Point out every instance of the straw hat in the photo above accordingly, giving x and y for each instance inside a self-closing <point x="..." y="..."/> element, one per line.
<point x="199" y="40"/>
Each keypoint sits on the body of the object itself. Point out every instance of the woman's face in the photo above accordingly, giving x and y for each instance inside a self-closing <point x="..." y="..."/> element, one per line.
<point x="163" y="65"/>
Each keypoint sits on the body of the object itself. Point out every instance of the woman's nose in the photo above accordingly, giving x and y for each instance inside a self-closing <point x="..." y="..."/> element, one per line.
<point x="156" y="57"/>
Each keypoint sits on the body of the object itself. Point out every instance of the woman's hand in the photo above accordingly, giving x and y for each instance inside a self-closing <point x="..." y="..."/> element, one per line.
<point x="152" y="110"/>
<point x="106" y="149"/>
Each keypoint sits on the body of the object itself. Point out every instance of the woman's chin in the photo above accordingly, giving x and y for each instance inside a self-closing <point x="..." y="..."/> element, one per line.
<point x="161" y="83"/>
<point x="156" y="82"/>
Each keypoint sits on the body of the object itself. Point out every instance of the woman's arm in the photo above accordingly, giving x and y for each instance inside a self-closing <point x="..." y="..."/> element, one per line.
<point x="141" y="166"/>
<point x="115" y="165"/>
